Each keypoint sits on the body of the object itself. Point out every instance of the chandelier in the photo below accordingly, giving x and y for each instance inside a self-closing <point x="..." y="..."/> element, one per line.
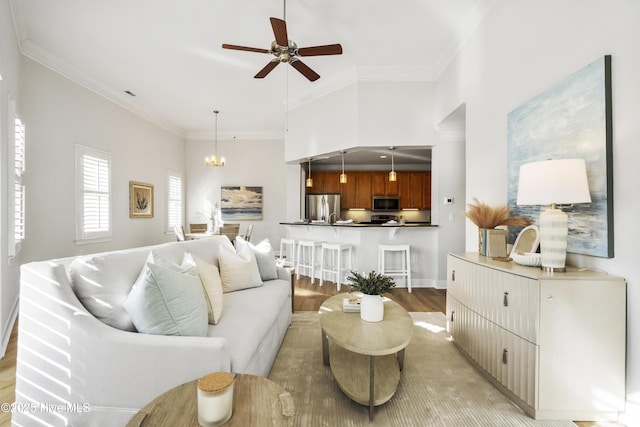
<point x="213" y="160"/>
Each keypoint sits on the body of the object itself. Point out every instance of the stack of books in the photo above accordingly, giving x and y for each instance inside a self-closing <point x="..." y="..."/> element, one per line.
<point x="351" y="304"/>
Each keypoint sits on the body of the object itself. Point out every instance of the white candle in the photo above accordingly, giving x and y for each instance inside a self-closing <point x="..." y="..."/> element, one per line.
<point x="215" y="399"/>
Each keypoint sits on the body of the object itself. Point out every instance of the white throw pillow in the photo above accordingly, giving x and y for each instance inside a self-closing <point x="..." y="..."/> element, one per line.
<point x="265" y="257"/>
<point x="211" y="283"/>
<point x="166" y="302"/>
<point x="238" y="270"/>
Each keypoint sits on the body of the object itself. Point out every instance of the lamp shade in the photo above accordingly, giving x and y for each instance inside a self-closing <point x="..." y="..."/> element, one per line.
<point x="550" y="182"/>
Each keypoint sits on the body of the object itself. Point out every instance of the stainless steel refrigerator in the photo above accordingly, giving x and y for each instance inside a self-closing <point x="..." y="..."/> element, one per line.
<point x="321" y="207"/>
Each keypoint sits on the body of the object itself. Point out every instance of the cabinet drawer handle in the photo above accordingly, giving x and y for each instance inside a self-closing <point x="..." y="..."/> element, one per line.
<point x="505" y="300"/>
<point x="453" y="275"/>
<point x="452" y="313"/>
<point x="504" y="356"/>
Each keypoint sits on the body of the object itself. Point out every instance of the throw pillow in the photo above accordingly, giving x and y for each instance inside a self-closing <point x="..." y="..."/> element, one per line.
<point x="238" y="270"/>
<point x="166" y="302"/>
<point x="211" y="283"/>
<point x="265" y="257"/>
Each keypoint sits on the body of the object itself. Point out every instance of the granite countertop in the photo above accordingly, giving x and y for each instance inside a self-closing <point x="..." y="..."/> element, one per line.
<point x="361" y="225"/>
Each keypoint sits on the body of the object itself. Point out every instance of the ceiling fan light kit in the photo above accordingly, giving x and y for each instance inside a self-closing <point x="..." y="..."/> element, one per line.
<point x="286" y="50"/>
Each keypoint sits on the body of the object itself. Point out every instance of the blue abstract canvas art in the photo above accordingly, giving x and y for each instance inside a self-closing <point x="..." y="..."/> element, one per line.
<point x="241" y="203"/>
<point x="570" y="120"/>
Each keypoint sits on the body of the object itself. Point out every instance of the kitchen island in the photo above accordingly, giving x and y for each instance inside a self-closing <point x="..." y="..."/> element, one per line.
<point x="365" y="238"/>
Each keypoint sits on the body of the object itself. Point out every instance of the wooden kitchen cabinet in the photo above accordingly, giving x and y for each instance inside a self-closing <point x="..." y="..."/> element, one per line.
<point x="381" y="186"/>
<point x="553" y="343"/>
<point x="357" y="192"/>
<point x="414" y="189"/>
<point x="324" y="182"/>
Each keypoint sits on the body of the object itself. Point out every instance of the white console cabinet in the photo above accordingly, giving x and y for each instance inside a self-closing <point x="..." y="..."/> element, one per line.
<point x="554" y="343"/>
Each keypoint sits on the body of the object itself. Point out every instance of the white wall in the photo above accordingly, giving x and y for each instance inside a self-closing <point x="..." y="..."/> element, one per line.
<point x="59" y="114"/>
<point x="9" y="87"/>
<point x="249" y="163"/>
<point x="367" y="113"/>
<point x="521" y="49"/>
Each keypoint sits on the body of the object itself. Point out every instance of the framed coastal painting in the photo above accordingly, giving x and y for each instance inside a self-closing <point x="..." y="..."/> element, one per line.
<point x="572" y="119"/>
<point x="140" y="200"/>
<point x="239" y="203"/>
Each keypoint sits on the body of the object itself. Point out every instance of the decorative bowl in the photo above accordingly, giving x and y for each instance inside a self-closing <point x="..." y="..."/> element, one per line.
<point x="529" y="259"/>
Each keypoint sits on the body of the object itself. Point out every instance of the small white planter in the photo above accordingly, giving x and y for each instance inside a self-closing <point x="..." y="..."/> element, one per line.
<point x="371" y="308"/>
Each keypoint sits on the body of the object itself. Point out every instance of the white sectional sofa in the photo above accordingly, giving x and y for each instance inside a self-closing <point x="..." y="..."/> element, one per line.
<point x="74" y="369"/>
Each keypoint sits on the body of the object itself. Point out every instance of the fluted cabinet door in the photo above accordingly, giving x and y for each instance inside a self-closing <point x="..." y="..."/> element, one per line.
<point x="553" y="343"/>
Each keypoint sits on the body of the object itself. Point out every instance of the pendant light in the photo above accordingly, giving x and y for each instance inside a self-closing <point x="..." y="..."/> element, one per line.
<point x="309" y="180"/>
<point x="343" y="176"/>
<point x="213" y="160"/>
<point x="392" y="174"/>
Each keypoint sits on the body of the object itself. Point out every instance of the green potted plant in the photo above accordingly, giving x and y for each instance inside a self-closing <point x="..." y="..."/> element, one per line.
<point x="372" y="286"/>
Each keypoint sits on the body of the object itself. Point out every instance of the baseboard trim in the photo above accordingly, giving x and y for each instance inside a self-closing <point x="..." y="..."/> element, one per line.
<point x="6" y="333"/>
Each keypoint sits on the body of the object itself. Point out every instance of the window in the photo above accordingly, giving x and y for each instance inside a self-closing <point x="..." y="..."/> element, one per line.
<point x="174" y="200"/>
<point x="93" y="196"/>
<point x="17" y="191"/>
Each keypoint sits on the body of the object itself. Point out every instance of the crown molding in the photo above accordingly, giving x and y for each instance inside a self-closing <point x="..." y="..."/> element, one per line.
<point x="460" y="39"/>
<point x="231" y="136"/>
<point x="45" y="58"/>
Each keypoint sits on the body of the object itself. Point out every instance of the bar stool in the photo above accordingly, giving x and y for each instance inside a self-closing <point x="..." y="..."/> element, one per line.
<point x="334" y="265"/>
<point x="405" y="266"/>
<point x="306" y="258"/>
<point x="287" y="256"/>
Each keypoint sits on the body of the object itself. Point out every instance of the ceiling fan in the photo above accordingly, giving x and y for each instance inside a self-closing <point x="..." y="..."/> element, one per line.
<point x="286" y="50"/>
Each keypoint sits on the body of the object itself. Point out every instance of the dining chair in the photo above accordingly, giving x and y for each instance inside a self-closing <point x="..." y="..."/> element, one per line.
<point x="179" y="232"/>
<point x="197" y="228"/>
<point x="247" y="233"/>
<point x="231" y="231"/>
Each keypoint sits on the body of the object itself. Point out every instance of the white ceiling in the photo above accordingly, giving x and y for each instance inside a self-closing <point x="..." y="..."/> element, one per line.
<point x="168" y="53"/>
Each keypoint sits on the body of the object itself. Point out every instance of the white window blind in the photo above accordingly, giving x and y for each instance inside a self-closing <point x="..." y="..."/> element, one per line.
<point x="94" y="195"/>
<point x="174" y="200"/>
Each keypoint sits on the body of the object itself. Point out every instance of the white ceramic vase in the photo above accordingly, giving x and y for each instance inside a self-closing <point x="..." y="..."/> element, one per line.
<point x="371" y="308"/>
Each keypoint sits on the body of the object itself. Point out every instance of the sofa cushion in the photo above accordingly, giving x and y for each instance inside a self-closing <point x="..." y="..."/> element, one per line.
<point x="265" y="257"/>
<point x="211" y="283"/>
<point x="238" y="270"/>
<point x="102" y="282"/>
<point x="167" y="302"/>
<point x="248" y="316"/>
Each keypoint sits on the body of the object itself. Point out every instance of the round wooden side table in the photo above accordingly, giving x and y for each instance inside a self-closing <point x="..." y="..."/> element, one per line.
<point x="256" y="401"/>
<point x="365" y="357"/>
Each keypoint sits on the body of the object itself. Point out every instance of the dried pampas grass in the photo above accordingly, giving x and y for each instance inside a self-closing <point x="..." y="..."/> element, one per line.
<point x="485" y="216"/>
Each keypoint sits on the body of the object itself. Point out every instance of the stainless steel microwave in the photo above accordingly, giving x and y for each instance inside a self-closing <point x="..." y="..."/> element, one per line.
<point x="386" y="203"/>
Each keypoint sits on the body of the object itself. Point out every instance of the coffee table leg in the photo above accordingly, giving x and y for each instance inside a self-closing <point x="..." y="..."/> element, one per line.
<point x="371" y="393"/>
<point x="401" y="359"/>
<point x="325" y="348"/>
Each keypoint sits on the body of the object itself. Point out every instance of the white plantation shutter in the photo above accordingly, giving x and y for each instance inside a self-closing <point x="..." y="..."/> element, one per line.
<point x="94" y="193"/>
<point x="17" y="211"/>
<point x="174" y="200"/>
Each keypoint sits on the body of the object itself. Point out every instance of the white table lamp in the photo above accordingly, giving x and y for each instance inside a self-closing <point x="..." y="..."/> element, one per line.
<point x="552" y="182"/>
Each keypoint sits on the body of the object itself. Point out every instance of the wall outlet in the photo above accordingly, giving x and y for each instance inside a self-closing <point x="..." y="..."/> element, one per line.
<point x="452" y="217"/>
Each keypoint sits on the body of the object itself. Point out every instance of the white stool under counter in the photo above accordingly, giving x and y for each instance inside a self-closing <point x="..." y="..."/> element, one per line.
<point x="334" y="262"/>
<point x="287" y="257"/>
<point x="306" y="258"/>
<point x="403" y="270"/>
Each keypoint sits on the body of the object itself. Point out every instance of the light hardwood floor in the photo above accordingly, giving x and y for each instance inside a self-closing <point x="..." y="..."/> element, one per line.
<point x="308" y="297"/>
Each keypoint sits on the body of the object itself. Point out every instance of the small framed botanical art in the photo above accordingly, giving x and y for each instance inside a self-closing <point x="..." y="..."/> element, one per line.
<point x="140" y="200"/>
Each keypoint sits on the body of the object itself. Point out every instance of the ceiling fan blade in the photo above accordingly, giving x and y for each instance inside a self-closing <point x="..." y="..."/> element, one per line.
<point x="330" y="49"/>
<point x="248" y="49"/>
<point x="280" y="31"/>
<point x="267" y="69"/>
<point x="304" y="70"/>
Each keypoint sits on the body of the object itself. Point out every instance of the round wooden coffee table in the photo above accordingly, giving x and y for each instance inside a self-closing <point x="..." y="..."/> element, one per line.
<point x="256" y="401"/>
<point x="365" y="357"/>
